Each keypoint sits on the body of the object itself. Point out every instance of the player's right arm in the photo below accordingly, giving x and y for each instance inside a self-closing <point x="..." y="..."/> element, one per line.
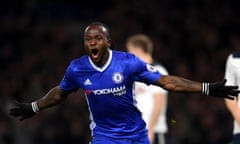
<point x="53" y="97"/>
<point x="27" y="110"/>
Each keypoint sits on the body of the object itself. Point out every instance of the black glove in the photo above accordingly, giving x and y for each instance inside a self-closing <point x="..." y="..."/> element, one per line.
<point x="219" y="90"/>
<point x="22" y="110"/>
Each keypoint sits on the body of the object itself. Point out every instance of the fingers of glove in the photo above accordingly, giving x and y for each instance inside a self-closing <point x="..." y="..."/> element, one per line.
<point x="230" y="90"/>
<point x="233" y="92"/>
<point x="236" y="92"/>
<point x="230" y="87"/>
<point x="23" y="106"/>
<point x="15" y="112"/>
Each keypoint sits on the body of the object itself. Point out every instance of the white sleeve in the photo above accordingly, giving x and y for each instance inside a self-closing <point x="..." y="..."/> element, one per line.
<point x="229" y="71"/>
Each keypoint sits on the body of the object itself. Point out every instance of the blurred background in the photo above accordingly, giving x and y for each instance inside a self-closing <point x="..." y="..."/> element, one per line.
<point x="38" y="38"/>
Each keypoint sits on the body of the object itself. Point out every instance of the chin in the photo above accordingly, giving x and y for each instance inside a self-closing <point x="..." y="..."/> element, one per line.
<point x="95" y="61"/>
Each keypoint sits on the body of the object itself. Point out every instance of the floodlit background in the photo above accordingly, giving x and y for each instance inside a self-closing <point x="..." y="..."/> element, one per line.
<point x="38" y="38"/>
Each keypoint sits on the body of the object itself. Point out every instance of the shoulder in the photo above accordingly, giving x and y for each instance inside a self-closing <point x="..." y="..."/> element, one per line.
<point x="75" y="63"/>
<point x="78" y="60"/>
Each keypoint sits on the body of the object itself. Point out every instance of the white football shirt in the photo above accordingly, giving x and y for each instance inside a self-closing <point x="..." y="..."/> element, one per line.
<point x="145" y="100"/>
<point x="232" y="74"/>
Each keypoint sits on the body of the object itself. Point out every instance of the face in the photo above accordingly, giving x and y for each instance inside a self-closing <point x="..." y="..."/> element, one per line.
<point x="96" y="44"/>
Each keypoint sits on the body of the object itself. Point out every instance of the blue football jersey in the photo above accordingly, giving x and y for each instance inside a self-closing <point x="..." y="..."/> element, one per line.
<point x="109" y="92"/>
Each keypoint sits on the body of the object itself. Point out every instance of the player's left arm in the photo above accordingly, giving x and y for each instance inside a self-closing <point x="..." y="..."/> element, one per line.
<point x="179" y="84"/>
<point x="147" y="73"/>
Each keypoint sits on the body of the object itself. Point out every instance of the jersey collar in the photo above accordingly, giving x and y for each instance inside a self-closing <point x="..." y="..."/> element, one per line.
<point x="101" y="69"/>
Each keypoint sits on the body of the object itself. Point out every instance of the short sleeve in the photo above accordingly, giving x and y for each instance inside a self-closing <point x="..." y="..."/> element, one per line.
<point x="157" y="89"/>
<point x="142" y="71"/>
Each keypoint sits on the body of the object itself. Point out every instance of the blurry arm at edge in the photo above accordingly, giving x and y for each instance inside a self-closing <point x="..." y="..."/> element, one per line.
<point x="232" y="106"/>
<point x="159" y="102"/>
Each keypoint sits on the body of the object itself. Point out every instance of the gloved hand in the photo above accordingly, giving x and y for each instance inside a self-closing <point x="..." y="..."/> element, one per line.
<point x="22" y="110"/>
<point x="220" y="90"/>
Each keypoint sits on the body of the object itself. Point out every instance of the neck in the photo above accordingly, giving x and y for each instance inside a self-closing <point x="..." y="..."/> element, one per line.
<point x="103" y="60"/>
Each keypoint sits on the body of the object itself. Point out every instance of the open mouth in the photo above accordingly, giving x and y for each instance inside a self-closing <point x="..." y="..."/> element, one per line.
<point x="95" y="53"/>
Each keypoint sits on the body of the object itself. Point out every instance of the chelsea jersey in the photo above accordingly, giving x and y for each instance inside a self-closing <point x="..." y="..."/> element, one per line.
<point x="109" y="92"/>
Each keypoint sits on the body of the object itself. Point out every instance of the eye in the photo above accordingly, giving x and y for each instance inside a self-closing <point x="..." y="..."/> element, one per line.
<point x="87" y="38"/>
<point x="99" y="38"/>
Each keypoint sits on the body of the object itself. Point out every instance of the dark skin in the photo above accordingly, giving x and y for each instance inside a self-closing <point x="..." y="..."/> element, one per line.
<point x="96" y="43"/>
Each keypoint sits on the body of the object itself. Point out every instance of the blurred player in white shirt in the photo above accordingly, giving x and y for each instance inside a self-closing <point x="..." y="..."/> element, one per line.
<point x="232" y="74"/>
<point x="151" y="100"/>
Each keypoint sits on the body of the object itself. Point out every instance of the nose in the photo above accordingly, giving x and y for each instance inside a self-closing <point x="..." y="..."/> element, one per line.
<point x="93" y="42"/>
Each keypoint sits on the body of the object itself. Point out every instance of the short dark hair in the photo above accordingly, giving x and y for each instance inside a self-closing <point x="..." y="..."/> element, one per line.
<point x="103" y="25"/>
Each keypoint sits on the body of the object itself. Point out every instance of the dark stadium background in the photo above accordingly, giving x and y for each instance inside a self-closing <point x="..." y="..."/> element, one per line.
<point x="38" y="38"/>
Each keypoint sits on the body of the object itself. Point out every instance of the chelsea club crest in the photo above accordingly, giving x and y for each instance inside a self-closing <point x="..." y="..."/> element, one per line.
<point x="117" y="77"/>
<point x="151" y="68"/>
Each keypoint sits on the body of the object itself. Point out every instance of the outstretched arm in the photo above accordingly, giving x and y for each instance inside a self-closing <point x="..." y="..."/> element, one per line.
<point x="179" y="84"/>
<point x="53" y="97"/>
<point x="27" y="110"/>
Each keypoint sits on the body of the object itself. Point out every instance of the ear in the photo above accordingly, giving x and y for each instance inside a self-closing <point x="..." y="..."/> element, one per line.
<point x="109" y="43"/>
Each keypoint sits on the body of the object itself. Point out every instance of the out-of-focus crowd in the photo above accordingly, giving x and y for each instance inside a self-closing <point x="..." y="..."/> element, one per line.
<point x="39" y="38"/>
